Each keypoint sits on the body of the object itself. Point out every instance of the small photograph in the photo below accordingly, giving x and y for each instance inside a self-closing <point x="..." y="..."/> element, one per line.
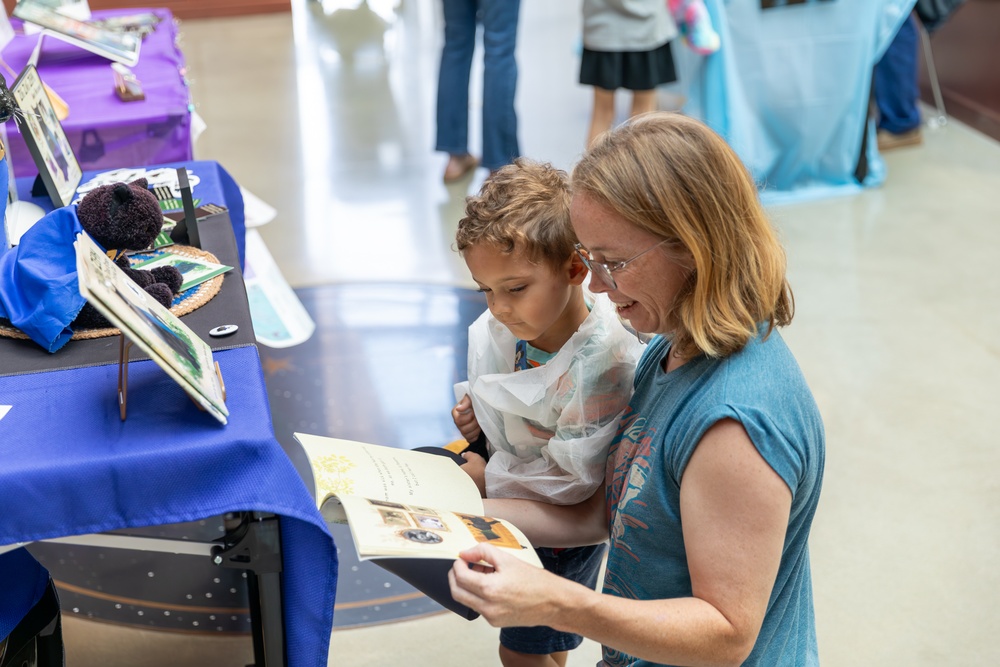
<point x="486" y="529"/>
<point x="142" y="23"/>
<point x="420" y="536"/>
<point x="193" y="270"/>
<point x="423" y="510"/>
<point x="43" y="134"/>
<point x="394" y="518"/>
<point x="385" y="503"/>
<point x="428" y="521"/>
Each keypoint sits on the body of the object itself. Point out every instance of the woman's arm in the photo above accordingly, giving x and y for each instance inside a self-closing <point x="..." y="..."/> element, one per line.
<point x="548" y="525"/>
<point x="735" y="511"/>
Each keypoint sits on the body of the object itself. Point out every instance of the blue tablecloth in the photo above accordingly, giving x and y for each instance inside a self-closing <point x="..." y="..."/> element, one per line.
<point x="789" y="90"/>
<point x="71" y="466"/>
<point x="216" y="187"/>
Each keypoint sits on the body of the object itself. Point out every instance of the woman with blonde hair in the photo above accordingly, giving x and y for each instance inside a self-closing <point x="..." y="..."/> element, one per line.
<point x="714" y="475"/>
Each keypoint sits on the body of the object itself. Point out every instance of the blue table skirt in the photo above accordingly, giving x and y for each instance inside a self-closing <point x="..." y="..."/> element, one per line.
<point x="216" y="187"/>
<point x="22" y="583"/>
<point x="71" y="467"/>
<point x="789" y="91"/>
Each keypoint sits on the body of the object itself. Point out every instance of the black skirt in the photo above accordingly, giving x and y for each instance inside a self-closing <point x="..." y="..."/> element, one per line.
<point x="633" y="70"/>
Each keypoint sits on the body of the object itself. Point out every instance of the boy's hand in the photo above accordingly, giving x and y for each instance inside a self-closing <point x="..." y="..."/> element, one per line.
<point x="475" y="467"/>
<point x="465" y="419"/>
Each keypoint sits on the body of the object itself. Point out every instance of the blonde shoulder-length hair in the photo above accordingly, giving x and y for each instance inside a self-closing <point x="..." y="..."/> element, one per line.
<point x="677" y="179"/>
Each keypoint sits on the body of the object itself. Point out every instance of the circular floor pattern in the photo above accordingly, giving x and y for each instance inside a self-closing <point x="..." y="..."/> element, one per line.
<point x="379" y="368"/>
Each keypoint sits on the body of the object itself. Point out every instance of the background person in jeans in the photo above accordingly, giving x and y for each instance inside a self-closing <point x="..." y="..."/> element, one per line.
<point x="896" y="90"/>
<point x="499" y="21"/>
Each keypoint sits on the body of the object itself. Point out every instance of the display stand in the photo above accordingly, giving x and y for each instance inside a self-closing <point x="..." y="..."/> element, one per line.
<point x="251" y="543"/>
<point x="124" y="344"/>
<point x="186" y="230"/>
<point x="123" y="347"/>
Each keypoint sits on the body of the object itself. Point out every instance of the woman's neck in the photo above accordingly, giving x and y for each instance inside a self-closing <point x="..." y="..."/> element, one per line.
<point x="674" y="359"/>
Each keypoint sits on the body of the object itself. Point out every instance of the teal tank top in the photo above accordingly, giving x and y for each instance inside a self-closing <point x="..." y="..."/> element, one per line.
<point x="763" y="388"/>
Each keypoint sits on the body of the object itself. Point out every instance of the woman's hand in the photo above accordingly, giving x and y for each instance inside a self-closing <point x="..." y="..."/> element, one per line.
<point x="507" y="592"/>
<point x="475" y="467"/>
<point x="465" y="419"/>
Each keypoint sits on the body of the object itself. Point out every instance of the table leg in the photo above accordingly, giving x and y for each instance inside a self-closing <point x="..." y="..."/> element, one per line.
<point x="253" y="543"/>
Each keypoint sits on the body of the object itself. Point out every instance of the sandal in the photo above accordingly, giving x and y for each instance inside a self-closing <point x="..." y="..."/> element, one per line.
<point x="459" y="166"/>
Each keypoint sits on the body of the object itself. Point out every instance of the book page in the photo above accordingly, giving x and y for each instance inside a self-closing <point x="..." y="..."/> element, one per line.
<point x="345" y="467"/>
<point x="387" y="529"/>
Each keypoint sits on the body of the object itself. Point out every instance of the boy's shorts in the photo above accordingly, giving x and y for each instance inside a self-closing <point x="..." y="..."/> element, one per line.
<point x="579" y="564"/>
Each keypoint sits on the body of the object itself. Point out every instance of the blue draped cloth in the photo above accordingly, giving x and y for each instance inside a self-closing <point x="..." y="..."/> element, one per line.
<point x="72" y="466"/>
<point x="789" y="90"/>
<point x="39" y="291"/>
<point x="22" y="578"/>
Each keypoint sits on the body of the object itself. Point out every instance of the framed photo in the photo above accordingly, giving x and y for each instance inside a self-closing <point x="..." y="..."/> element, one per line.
<point x="44" y="136"/>
<point x="122" y="47"/>
<point x="178" y="350"/>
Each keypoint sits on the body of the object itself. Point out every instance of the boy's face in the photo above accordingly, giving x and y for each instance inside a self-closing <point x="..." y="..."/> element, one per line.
<point x="534" y="301"/>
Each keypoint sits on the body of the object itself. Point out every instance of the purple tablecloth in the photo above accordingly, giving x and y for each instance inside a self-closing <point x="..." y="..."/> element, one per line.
<point x="105" y="132"/>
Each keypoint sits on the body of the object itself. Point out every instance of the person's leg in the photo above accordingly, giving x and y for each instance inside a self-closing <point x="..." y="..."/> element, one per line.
<point x="541" y="646"/>
<point x="500" y="145"/>
<point x="896" y="90"/>
<point x="603" y="114"/>
<point x="453" y="78"/>
<point x="643" y="101"/>
<point x="509" y="658"/>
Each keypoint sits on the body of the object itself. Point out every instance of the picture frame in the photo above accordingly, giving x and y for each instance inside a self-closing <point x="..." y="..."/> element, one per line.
<point x="121" y="47"/>
<point x="170" y="343"/>
<point x="58" y="167"/>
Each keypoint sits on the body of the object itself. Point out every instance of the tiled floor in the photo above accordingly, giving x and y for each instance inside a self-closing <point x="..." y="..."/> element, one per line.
<point x="327" y="114"/>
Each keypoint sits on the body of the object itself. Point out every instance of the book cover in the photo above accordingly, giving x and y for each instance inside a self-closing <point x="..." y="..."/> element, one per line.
<point x="409" y="512"/>
<point x="155" y="330"/>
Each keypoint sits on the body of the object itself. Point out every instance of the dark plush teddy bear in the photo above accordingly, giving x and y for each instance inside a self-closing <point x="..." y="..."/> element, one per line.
<point x="123" y="217"/>
<point x="39" y="288"/>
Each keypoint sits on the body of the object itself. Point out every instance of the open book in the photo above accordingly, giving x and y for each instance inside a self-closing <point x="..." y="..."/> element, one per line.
<point x="159" y="333"/>
<point x="409" y="512"/>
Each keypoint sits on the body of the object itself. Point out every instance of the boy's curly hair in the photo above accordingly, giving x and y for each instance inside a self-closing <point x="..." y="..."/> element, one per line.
<point x="524" y="207"/>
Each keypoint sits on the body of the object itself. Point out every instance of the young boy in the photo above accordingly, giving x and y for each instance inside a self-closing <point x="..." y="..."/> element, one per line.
<point x="550" y="370"/>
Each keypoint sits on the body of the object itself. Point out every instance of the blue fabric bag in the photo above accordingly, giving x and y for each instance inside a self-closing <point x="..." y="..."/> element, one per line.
<point x="39" y="292"/>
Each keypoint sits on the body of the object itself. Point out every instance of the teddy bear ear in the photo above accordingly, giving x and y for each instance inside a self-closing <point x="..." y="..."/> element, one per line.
<point x="141" y="182"/>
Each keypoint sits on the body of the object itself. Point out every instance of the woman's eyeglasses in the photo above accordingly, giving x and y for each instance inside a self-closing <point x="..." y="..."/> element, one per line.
<point x="603" y="270"/>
